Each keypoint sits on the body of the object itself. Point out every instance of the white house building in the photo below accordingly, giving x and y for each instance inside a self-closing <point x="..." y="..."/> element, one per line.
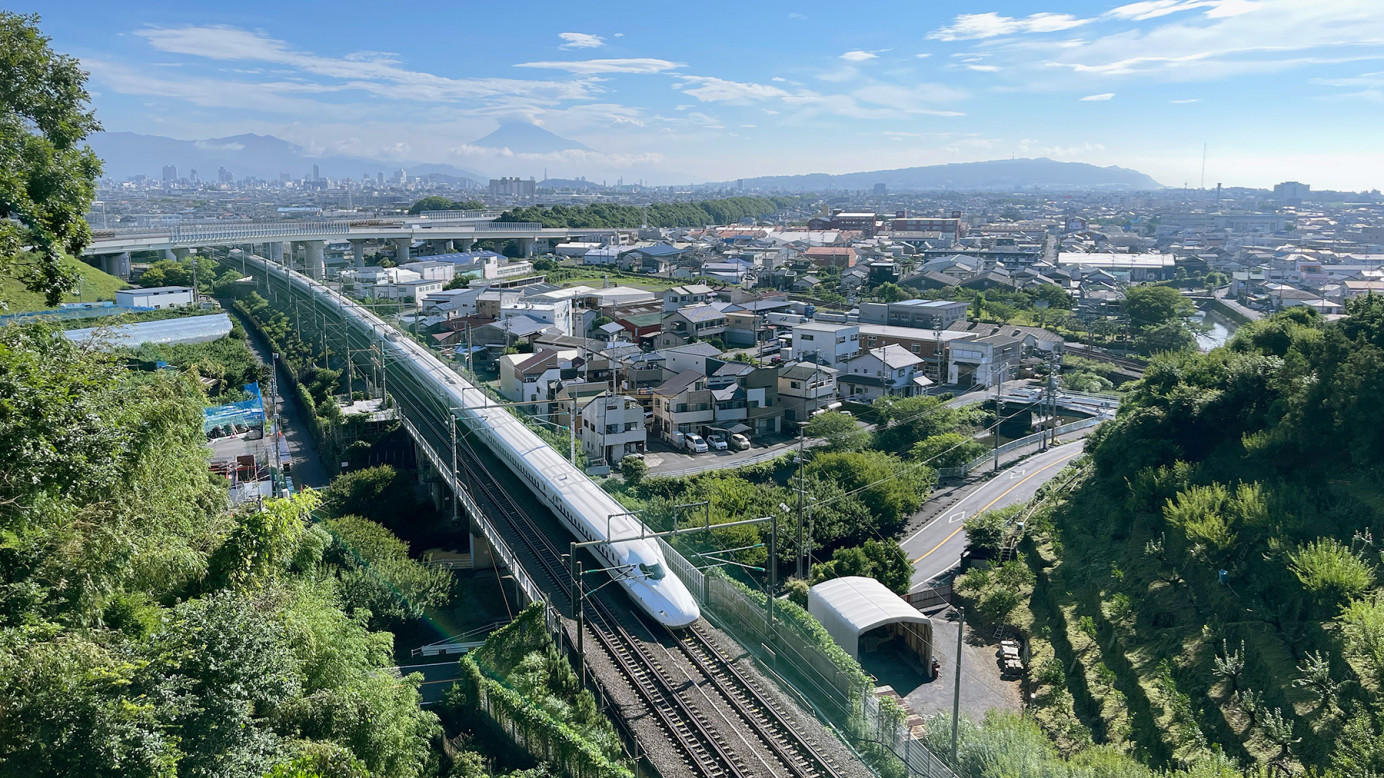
<point x="612" y="426"/>
<point x="826" y="343"/>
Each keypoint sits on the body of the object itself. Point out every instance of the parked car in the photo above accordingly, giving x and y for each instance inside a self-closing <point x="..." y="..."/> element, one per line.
<point x="717" y="442"/>
<point x="739" y="442"/>
<point x="696" y="445"/>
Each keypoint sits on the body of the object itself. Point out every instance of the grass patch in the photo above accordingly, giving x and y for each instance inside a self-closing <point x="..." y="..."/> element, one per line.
<point x="95" y="285"/>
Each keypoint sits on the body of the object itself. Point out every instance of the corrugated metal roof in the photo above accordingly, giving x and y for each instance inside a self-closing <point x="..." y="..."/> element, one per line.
<point x="851" y="606"/>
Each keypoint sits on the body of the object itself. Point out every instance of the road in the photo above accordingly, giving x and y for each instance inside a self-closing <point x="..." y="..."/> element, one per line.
<point x="936" y="547"/>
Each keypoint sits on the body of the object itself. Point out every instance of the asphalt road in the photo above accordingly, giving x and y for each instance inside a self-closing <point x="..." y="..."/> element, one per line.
<point x="936" y="547"/>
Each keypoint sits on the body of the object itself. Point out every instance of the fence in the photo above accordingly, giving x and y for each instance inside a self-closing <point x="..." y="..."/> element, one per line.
<point x="795" y="648"/>
<point x="961" y="471"/>
<point x="252" y="232"/>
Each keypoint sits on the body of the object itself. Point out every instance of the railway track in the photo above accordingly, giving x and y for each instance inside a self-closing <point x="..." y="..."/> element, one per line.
<point x="721" y="722"/>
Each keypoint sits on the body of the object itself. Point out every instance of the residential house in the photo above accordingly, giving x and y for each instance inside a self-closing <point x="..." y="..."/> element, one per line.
<point x="683" y="403"/>
<point x="611" y="426"/>
<point x="836" y="256"/>
<point x="825" y="343"/>
<point x="696" y="322"/>
<point x="534" y="377"/>
<point x="683" y="296"/>
<point x="806" y="389"/>
<point x="886" y="371"/>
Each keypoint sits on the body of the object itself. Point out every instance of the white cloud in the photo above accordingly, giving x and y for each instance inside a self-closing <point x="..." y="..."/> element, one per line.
<point x="858" y="56"/>
<point x="1152" y="9"/>
<point x="588" y="67"/>
<point x="580" y="40"/>
<point x="1184" y="102"/>
<point x="373" y="72"/>
<point x="984" y="68"/>
<point x="779" y="79"/>
<point x="922" y="56"/>
<point x="991" y="24"/>
<point x="1100" y="98"/>
<point x="709" y="89"/>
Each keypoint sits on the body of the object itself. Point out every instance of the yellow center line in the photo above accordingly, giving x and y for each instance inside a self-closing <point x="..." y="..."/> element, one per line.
<point x="997" y="499"/>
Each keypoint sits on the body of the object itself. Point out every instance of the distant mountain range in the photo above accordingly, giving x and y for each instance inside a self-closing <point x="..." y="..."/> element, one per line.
<point x="1002" y="175"/>
<point x="128" y="154"/>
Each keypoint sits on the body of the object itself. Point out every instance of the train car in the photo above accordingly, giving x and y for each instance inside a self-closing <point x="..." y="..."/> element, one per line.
<point x="587" y="511"/>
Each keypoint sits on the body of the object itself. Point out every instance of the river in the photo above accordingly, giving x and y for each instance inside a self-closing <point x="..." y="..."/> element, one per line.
<point x="1220" y="332"/>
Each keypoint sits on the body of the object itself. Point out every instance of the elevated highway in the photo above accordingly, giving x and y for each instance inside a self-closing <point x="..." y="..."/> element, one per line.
<point x="447" y="231"/>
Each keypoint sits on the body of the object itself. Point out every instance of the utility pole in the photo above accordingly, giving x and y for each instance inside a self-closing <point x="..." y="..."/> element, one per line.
<point x="956" y="693"/>
<point x="578" y="610"/>
<point x="572" y="430"/>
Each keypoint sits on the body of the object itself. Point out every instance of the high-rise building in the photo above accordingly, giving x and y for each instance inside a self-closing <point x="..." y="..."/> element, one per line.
<point x="880" y="190"/>
<point x="379" y="178"/>
<point x="1291" y="192"/>
<point x="316" y="176"/>
<point x="511" y="187"/>
<point x="193" y="176"/>
<point x="224" y="176"/>
<point x="170" y="174"/>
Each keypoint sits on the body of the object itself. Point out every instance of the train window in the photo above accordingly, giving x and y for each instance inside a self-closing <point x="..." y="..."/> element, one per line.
<point x="653" y="572"/>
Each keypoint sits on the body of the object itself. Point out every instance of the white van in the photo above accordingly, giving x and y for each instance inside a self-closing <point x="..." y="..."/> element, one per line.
<point x="696" y="445"/>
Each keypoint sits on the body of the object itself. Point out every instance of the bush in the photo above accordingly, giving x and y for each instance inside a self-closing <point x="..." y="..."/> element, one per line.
<point x="633" y="469"/>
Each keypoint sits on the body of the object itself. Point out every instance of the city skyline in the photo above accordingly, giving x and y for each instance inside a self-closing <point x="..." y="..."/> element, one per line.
<point x="1274" y="90"/>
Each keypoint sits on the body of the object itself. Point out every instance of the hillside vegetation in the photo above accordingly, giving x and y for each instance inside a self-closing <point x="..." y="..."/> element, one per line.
<point x="1210" y="588"/>
<point x="147" y="629"/>
<point x="94" y="285"/>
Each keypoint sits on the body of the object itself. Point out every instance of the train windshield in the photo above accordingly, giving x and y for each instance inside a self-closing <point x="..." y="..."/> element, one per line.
<point x="653" y="572"/>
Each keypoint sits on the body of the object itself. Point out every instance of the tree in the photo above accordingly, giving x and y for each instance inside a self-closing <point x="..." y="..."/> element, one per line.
<point x="890" y="292"/>
<point x="949" y="449"/>
<point x="1331" y="571"/>
<point x="48" y="182"/>
<point x="1170" y="336"/>
<point x="1154" y="305"/>
<point x="883" y="560"/>
<point x="460" y="282"/>
<point x="888" y="487"/>
<point x="377" y="493"/>
<point x="839" y="429"/>
<point x="376" y="576"/>
<point x="438" y="203"/>
<point x="633" y="469"/>
<point x="1055" y="296"/>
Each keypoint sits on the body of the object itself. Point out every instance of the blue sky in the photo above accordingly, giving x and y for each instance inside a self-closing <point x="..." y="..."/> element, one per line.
<point x="1276" y="89"/>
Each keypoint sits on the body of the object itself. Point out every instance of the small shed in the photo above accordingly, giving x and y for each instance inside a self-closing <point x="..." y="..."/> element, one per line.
<point x="860" y="612"/>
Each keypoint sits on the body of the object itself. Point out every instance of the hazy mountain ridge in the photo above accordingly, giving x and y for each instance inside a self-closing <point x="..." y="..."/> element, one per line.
<point x="1001" y="174"/>
<point x="128" y="154"/>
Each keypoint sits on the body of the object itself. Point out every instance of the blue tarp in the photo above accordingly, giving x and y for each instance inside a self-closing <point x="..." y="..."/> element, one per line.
<point x="248" y="413"/>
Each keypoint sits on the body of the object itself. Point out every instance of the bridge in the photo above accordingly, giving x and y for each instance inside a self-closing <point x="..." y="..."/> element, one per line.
<point x="680" y="697"/>
<point x="445" y="231"/>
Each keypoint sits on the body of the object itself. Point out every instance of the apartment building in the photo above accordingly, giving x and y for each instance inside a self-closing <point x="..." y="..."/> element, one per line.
<point x="611" y="426"/>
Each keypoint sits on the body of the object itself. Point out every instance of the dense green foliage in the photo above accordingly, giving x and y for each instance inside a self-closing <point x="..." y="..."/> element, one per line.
<point x="48" y="181"/>
<point x="145" y="629"/>
<point x="683" y="214"/>
<point x="518" y="684"/>
<point x="180" y="272"/>
<point x="226" y="364"/>
<point x="439" y="203"/>
<point x="883" y="560"/>
<point x="1212" y="583"/>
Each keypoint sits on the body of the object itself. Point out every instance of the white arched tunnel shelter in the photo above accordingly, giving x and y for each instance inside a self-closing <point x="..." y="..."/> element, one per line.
<point x="851" y="606"/>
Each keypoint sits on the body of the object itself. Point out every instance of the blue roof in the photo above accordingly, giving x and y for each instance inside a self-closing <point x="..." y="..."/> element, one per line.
<point x="459" y="257"/>
<point x="700" y="313"/>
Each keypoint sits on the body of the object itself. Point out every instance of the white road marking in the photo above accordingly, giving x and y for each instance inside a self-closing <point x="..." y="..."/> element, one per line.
<point x="955" y="517"/>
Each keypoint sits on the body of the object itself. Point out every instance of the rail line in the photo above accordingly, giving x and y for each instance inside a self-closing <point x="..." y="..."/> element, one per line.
<point x="721" y="722"/>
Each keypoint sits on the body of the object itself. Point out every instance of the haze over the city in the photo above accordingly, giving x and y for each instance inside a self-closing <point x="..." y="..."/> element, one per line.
<point x="1274" y="89"/>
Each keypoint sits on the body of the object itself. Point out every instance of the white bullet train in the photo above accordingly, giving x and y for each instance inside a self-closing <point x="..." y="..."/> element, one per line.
<point x="583" y="507"/>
